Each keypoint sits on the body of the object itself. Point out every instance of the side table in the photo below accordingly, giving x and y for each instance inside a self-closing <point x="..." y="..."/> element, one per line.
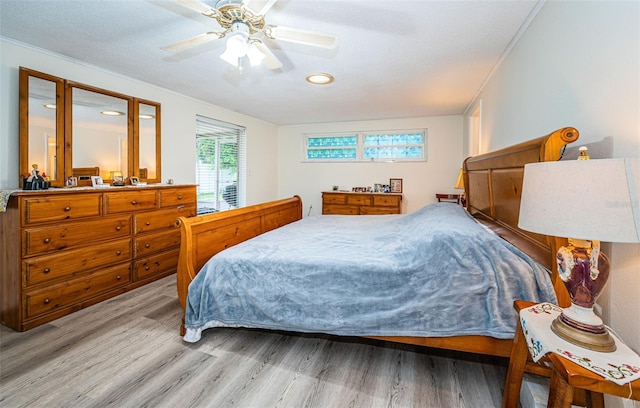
<point x="569" y="381"/>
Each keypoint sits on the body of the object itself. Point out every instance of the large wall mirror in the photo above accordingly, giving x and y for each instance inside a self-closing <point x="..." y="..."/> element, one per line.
<point x="71" y="129"/>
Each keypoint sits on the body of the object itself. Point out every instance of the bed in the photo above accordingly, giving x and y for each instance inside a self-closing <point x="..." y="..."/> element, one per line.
<point x="238" y="289"/>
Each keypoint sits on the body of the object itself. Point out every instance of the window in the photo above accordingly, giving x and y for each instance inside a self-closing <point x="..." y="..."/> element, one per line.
<point x="402" y="145"/>
<point x="220" y="160"/>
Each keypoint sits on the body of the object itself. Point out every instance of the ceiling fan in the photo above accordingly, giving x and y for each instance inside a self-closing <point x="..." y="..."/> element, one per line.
<point x="244" y="26"/>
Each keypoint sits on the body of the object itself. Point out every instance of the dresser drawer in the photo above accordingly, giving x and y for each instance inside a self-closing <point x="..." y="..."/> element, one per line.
<point x="177" y="196"/>
<point x="359" y="200"/>
<point x="156" y="264"/>
<point x="156" y="220"/>
<point x="76" y="290"/>
<point x="330" y="198"/>
<point x="378" y="210"/>
<point x="126" y="201"/>
<point x="340" y="210"/>
<point x="66" y="235"/>
<point x="386" y="200"/>
<point x="58" y="208"/>
<point x="149" y="243"/>
<point x="68" y="263"/>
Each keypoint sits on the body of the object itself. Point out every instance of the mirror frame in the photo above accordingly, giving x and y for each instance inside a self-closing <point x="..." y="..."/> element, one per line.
<point x="136" y="160"/>
<point x="23" y="156"/>
<point x="64" y="128"/>
<point x="68" y="139"/>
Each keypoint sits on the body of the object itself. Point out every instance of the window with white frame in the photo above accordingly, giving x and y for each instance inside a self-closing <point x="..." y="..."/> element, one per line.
<point x="396" y="145"/>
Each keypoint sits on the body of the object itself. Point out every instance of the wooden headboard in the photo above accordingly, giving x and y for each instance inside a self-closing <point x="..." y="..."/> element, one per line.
<point x="493" y="188"/>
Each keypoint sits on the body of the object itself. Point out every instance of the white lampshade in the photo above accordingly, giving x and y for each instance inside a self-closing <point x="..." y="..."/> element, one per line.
<point x="582" y="199"/>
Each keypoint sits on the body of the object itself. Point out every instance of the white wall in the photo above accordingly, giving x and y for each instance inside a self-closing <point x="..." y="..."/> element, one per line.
<point x="578" y="64"/>
<point x="421" y="180"/>
<point x="178" y="120"/>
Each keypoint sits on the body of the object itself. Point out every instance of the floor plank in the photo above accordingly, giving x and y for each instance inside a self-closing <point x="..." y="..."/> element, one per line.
<point x="126" y="352"/>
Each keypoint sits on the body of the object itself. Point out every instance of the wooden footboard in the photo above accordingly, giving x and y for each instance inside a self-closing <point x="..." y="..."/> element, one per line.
<point x="204" y="236"/>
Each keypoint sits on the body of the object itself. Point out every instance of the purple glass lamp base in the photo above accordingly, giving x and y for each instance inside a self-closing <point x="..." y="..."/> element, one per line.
<point x="584" y="271"/>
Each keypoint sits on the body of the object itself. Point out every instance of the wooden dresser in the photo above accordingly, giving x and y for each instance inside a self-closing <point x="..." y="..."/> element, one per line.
<point x="65" y="249"/>
<point x="347" y="203"/>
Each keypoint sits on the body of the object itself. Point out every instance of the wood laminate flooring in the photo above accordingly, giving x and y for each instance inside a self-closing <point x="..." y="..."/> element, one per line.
<point x="126" y="352"/>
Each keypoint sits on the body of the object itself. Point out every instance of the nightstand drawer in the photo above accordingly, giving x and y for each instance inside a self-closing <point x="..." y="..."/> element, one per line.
<point x="126" y="201"/>
<point x="68" y="263"/>
<point x="67" y="235"/>
<point x="59" y="208"/>
<point x="76" y="290"/>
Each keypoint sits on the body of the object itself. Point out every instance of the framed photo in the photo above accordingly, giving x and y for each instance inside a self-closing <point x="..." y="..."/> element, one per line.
<point x="96" y="181"/>
<point x="396" y="185"/>
<point x="134" y="180"/>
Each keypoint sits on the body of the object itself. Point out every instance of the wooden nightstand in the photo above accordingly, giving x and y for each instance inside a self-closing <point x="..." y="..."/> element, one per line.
<point x="450" y="198"/>
<point x="569" y="381"/>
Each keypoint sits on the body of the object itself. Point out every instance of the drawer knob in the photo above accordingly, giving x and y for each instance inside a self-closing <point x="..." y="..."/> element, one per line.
<point x="118" y="277"/>
<point x="146" y="267"/>
<point x="47" y="240"/>
<point x="134" y="202"/>
<point x="179" y="197"/>
<point x="46" y="270"/>
<point x="118" y="228"/>
<point x="147" y="245"/>
<point x="67" y="209"/>
<point x="148" y="223"/>
<point x="47" y="301"/>
<point x="118" y="253"/>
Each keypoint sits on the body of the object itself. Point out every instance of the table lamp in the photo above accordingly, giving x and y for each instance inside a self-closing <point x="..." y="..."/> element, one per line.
<point x="586" y="201"/>
<point x="460" y="186"/>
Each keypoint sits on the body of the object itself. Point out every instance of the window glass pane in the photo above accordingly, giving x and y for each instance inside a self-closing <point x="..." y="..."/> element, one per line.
<point x="220" y="157"/>
<point x="395" y="145"/>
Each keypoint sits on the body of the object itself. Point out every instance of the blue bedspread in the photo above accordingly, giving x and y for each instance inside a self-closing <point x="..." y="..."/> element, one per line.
<point x="435" y="272"/>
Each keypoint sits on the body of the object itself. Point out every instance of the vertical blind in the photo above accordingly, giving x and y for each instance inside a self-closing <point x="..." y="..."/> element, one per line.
<point x="220" y="164"/>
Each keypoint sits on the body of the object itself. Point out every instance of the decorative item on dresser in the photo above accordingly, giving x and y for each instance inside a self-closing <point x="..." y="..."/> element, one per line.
<point x="63" y="250"/>
<point x="348" y="203"/>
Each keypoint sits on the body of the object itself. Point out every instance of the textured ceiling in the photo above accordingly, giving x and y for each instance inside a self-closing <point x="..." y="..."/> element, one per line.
<point x="395" y="58"/>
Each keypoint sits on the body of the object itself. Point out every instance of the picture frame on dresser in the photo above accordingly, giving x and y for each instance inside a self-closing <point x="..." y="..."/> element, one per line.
<point x="96" y="181"/>
<point x="395" y="185"/>
<point x="134" y="180"/>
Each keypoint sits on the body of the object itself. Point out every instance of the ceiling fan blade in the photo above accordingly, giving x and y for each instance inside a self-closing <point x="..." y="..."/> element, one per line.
<point x="190" y="42"/>
<point x="297" y="35"/>
<point x="259" y="7"/>
<point x="270" y="60"/>
<point x="198" y="6"/>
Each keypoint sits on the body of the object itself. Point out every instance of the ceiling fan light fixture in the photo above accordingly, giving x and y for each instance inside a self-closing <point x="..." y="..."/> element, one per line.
<point x="237" y="44"/>
<point x="320" y="78"/>
<point x="255" y="55"/>
<point x="49" y="105"/>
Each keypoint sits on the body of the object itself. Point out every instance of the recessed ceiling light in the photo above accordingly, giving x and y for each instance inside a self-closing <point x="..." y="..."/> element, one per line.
<point x="49" y="105"/>
<point x="111" y="113"/>
<point x="146" y="116"/>
<point x="320" y="78"/>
